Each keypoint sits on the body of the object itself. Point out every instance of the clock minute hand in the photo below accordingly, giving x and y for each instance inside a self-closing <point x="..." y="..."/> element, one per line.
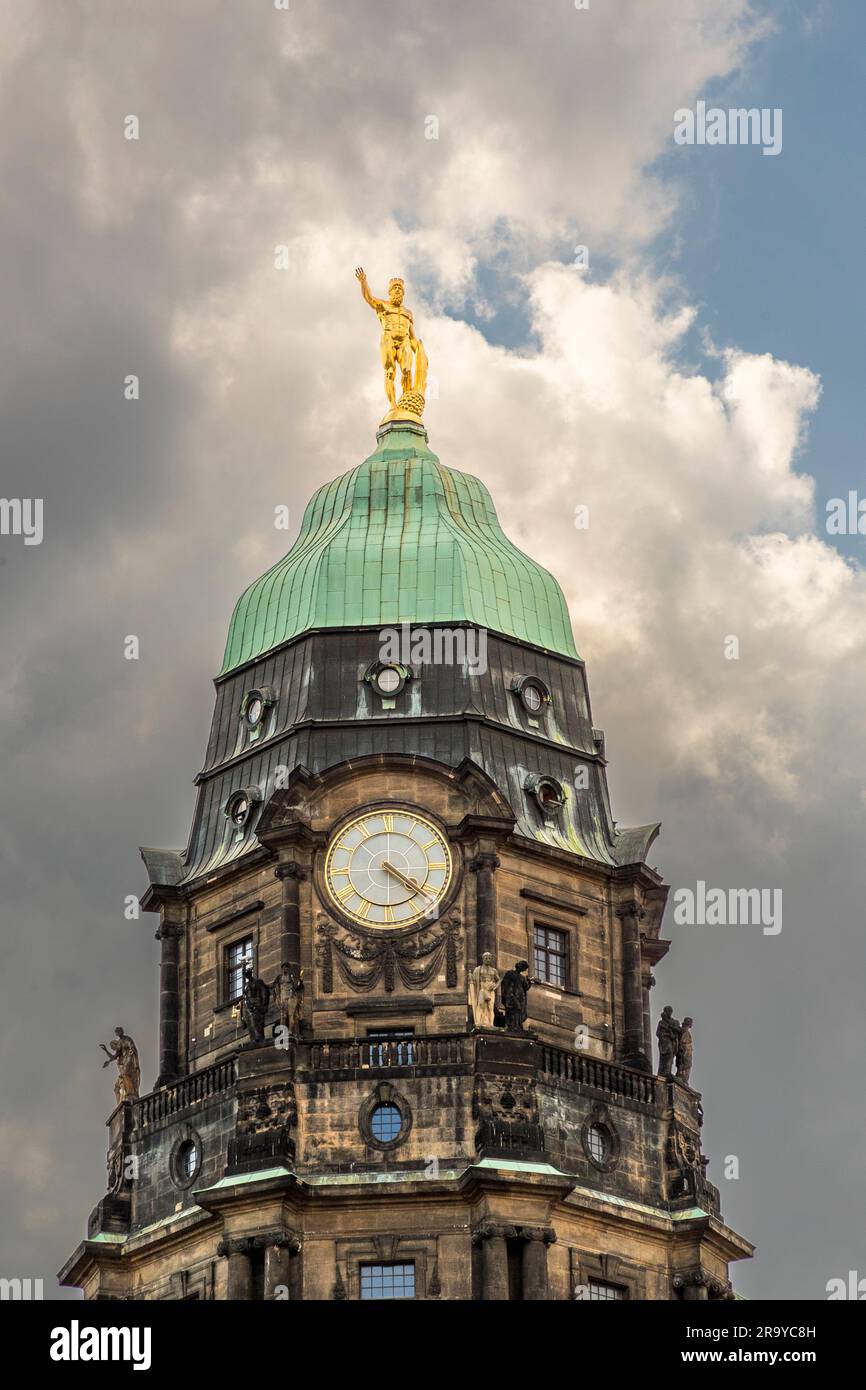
<point x="407" y="882"/>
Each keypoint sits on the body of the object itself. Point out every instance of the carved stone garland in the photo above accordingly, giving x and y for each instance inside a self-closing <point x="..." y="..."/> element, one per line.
<point x="415" y="960"/>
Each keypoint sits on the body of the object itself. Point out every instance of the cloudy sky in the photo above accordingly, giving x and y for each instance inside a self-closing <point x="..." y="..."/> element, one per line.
<point x="698" y="386"/>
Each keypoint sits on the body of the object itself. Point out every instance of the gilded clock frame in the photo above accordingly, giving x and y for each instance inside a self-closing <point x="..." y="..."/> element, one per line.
<point x="375" y="929"/>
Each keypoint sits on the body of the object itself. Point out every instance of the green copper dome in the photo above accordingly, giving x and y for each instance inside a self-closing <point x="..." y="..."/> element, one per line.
<point x="400" y="539"/>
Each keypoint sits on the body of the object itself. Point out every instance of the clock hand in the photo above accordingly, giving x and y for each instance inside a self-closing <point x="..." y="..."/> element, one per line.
<point x="407" y="882"/>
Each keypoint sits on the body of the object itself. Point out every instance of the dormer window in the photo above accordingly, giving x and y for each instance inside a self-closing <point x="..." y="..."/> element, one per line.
<point x="239" y="806"/>
<point x="388" y="679"/>
<point x="533" y="694"/>
<point x="548" y="794"/>
<point x="254" y="709"/>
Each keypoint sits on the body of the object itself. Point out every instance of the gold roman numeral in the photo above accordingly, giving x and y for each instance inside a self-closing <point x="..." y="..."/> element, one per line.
<point x="345" y="893"/>
<point x="388" y="822"/>
<point x="364" y="910"/>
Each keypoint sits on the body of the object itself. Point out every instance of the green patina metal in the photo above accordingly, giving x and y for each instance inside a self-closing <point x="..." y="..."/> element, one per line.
<point x="400" y="538"/>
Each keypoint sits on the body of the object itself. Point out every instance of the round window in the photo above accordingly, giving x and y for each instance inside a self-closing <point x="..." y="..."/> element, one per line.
<point x="597" y="1144"/>
<point x="239" y="808"/>
<point x="187" y="1159"/>
<point x="388" y="680"/>
<point x="385" y="1123"/>
<point x="532" y="693"/>
<point x="255" y="710"/>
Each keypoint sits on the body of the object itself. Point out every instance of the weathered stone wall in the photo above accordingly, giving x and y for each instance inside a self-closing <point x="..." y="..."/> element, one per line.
<point x="156" y="1193"/>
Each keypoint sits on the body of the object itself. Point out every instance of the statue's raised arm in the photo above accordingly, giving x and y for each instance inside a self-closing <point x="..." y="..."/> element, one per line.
<point x="374" y="303"/>
<point x="399" y="347"/>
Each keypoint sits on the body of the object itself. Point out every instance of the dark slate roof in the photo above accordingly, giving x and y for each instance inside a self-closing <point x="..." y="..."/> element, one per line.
<point x="325" y="713"/>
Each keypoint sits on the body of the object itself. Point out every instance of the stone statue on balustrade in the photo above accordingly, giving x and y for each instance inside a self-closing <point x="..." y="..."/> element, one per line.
<point x="256" y="998"/>
<point x="124" y="1052"/>
<point x="668" y="1034"/>
<point x="483" y="992"/>
<point x="685" y="1052"/>
<point x="287" y="992"/>
<point x="514" y="988"/>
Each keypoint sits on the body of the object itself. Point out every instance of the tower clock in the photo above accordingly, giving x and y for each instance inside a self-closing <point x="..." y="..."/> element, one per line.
<point x="388" y="868"/>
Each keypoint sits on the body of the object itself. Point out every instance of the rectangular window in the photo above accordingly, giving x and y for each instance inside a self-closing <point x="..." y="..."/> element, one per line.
<point x="390" y="1047"/>
<point x="550" y="950"/>
<point x="603" y="1293"/>
<point x="237" y="957"/>
<point x="388" y="1281"/>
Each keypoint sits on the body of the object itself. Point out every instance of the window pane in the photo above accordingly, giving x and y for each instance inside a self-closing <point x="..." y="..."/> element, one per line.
<point x="238" y="955"/>
<point x="385" y="1123"/>
<point x="388" y="1281"/>
<point x="603" y="1292"/>
<point x="550" y="956"/>
<point x="188" y="1159"/>
<point x="597" y="1143"/>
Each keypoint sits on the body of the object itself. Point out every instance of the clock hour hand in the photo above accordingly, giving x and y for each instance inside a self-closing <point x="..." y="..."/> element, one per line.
<point x="407" y="882"/>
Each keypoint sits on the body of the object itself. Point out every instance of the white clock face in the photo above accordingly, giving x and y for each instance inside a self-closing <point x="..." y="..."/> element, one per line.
<point x="388" y="868"/>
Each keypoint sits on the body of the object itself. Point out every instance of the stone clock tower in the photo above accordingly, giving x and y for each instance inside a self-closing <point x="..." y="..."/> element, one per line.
<point x="403" y="776"/>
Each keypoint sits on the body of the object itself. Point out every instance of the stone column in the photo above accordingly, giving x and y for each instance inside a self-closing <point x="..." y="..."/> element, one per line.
<point x="291" y="874"/>
<point x="535" y="1264"/>
<point x="485" y="865"/>
<point x="629" y="915"/>
<point x="278" y="1262"/>
<point x="169" y="935"/>
<point x="694" y="1290"/>
<point x="494" y="1257"/>
<point x="240" y="1281"/>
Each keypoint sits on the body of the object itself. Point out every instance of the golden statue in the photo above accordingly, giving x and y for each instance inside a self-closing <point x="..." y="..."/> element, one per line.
<point x="397" y="347"/>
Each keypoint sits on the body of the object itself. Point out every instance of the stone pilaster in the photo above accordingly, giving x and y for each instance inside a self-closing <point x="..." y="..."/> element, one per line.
<point x="494" y="1262"/>
<point x="169" y="936"/>
<point x="291" y="874"/>
<point x="240" y="1279"/>
<point x="535" y="1282"/>
<point x="630" y="914"/>
<point x="279" y="1253"/>
<point x="485" y="865"/>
